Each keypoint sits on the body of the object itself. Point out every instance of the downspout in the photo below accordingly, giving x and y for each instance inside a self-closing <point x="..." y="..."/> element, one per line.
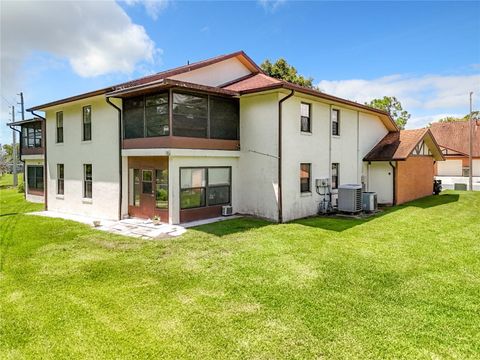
<point x="120" y="172"/>
<point x="280" y="213"/>
<point x="394" y="183"/>
<point x="20" y="155"/>
<point x="45" y="164"/>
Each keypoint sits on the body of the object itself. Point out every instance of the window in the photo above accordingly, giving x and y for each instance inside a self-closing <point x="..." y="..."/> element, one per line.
<point x="465" y="171"/>
<point x="87" y="181"/>
<point x="305" y="125"/>
<point x="335" y="122"/>
<point x="193" y="115"/>
<point x="193" y="185"/>
<point x="35" y="177"/>
<point x="133" y="118"/>
<point x="201" y="187"/>
<point x="190" y="115"/>
<point x="161" y="189"/>
<point x="156" y="115"/>
<point x="60" y="180"/>
<point x="32" y="135"/>
<point x="134" y="189"/>
<point x="146" y="116"/>
<point x="60" y="127"/>
<point x="147" y="182"/>
<point x="224" y="118"/>
<point x="87" y="123"/>
<point x="218" y="190"/>
<point x="305" y="178"/>
<point x="335" y="175"/>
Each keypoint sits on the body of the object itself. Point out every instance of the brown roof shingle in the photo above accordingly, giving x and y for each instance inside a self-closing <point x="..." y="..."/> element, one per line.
<point x="399" y="145"/>
<point x="454" y="136"/>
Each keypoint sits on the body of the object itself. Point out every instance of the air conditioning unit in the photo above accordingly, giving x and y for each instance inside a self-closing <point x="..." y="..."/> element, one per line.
<point x="369" y="200"/>
<point x="227" y="210"/>
<point x="350" y="198"/>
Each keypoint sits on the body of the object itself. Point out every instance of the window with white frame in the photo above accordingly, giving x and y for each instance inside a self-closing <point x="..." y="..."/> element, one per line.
<point x="87" y="181"/>
<point x="305" y="123"/>
<point x="335" y="122"/>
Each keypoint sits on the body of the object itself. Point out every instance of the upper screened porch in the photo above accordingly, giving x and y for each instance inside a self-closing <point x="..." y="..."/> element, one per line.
<point x="31" y="136"/>
<point x="184" y="117"/>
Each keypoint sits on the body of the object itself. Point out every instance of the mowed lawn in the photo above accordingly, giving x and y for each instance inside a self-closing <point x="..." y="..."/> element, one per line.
<point x="405" y="284"/>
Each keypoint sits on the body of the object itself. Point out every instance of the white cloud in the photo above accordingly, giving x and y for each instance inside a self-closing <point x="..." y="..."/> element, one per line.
<point x="421" y="121"/>
<point x="96" y="38"/>
<point x="152" y="7"/>
<point x="271" y="5"/>
<point x="428" y="92"/>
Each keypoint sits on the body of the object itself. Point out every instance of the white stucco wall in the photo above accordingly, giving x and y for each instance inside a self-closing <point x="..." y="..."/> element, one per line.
<point x="177" y="162"/>
<point x="359" y="133"/>
<point x="101" y="152"/>
<point x="450" y="167"/>
<point x="257" y="167"/>
<point x="476" y="167"/>
<point x="380" y="180"/>
<point x="32" y="161"/>
<point x="215" y="74"/>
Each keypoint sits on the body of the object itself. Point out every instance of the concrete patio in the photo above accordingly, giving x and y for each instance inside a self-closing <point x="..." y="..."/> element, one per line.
<point x="138" y="228"/>
<point x="134" y="227"/>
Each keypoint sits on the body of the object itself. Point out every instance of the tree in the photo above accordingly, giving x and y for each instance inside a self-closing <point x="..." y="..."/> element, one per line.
<point x="3" y="160"/>
<point x="284" y="71"/>
<point x="391" y="105"/>
<point x="8" y="151"/>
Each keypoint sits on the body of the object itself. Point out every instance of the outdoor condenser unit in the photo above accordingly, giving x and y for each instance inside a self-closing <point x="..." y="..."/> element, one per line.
<point x="227" y="210"/>
<point x="369" y="200"/>
<point x="350" y="198"/>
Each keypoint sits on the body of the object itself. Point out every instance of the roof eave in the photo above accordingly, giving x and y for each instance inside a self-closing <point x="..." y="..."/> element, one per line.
<point x="286" y="85"/>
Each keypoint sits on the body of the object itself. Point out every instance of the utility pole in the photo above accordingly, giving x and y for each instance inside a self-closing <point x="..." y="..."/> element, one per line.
<point x="14" y="151"/>
<point x="470" y="139"/>
<point x="21" y="103"/>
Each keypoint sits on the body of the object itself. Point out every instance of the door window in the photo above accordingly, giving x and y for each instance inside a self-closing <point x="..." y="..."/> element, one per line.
<point x="147" y="179"/>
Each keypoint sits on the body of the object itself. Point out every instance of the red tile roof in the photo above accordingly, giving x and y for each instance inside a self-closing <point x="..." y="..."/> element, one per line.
<point x="399" y="145"/>
<point x="454" y="136"/>
<point x="253" y="82"/>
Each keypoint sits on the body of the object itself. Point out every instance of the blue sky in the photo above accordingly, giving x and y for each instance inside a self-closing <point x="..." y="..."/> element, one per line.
<point x="425" y="53"/>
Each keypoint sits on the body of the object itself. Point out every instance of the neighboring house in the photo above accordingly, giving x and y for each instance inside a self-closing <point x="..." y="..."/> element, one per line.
<point x="453" y="138"/>
<point x="182" y="143"/>
<point x="32" y="153"/>
<point x="401" y="166"/>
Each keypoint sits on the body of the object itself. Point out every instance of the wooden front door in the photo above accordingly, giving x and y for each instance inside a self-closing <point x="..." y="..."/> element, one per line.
<point x="148" y="188"/>
<point x="147" y="194"/>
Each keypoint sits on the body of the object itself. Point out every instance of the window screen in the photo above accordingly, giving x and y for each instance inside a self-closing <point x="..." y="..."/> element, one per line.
<point x="190" y="115"/>
<point x="133" y="112"/>
<point x="35" y="177"/>
<point x="224" y="118"/>
<point x="156" y="115"/>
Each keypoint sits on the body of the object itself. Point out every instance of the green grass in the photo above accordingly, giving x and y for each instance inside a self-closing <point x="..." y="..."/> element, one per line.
<point x="402" y="285"/>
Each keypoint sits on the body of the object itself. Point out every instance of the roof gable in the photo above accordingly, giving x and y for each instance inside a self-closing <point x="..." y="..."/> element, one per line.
<point x="404" y="143"/>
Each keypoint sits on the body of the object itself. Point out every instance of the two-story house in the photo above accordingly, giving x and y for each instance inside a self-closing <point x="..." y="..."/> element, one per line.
<point x="182" y="143"/>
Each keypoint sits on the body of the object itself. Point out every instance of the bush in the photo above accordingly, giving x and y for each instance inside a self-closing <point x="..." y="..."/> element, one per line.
<point x="21" y="187"/>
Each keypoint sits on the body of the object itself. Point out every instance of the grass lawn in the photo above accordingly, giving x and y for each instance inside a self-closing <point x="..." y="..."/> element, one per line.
<point x="402" y="285"/>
